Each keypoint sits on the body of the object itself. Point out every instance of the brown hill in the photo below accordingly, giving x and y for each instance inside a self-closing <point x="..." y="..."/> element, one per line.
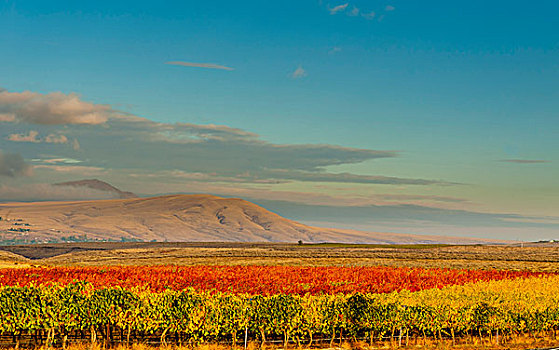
<point x="179" y="218"/>
<point x="99" y="186"/>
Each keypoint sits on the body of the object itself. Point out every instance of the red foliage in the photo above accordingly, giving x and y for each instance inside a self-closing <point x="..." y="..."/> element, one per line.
<point x="258" y="279"/>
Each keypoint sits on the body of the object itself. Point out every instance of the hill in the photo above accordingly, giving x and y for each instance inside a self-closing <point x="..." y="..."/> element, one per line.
<point x="176" y="218"/>
<point x="98" y="185"/>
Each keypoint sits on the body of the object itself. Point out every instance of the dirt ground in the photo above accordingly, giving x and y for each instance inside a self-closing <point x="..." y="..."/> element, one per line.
<point x="520" y="345"/>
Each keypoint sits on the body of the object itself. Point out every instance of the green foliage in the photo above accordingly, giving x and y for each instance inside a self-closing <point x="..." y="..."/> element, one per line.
<point x="204" y="316"/>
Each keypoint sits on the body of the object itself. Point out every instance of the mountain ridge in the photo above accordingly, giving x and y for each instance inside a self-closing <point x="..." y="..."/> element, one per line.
<point x="179" y="218"/>
<point x="96" y="184"/>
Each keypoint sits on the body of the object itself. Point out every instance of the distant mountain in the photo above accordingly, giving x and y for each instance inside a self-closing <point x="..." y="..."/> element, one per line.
<point x="99" y="186"/>
<point x="179" y="218"/>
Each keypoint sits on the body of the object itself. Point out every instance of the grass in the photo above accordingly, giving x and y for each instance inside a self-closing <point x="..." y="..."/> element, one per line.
<point x="381" y="246"/>
<point x="427" y="256"/>
<point x="11" y="265"/>
<point x="537" y="258"/>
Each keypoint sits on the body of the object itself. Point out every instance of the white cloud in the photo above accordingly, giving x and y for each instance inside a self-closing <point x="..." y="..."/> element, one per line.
<point x="354" y="12"/>
<point x="369" y="15"/>
<point x="72" y="169"/>
<point x="193" y="133"/>
<point x="76" y="145"/>
<point x="31" y="137"/>
<point x="199" y="65"/>
<point x="57" y="161"/>
<point x="299" y="73"/>
<point x="525" y="161"/>
<point x="338" y="8"/>
<point x="52" y="138"/>
<point x="50" y="109"/>
<point x="7" y="117"/>
<point x="334" y="50"/>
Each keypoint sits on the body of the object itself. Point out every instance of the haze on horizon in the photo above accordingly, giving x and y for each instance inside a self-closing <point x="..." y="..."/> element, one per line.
<point x="396" y="116"/>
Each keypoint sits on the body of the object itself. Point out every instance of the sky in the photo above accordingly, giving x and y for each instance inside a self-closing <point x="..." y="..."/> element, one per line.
<point x="433" y="117"/>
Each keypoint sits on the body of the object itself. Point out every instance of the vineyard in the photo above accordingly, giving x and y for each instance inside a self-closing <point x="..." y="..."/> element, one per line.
<point x="264" y="280"/>
<point x="55" y="306"/>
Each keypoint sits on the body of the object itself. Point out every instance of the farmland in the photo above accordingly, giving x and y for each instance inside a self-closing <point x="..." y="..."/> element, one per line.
<point x="344" y="298"/>
<point x="534" y="257"/>
<point x="265" y="280"/>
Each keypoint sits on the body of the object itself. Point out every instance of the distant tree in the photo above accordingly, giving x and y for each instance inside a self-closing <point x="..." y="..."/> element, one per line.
<point x="300" y="242"/>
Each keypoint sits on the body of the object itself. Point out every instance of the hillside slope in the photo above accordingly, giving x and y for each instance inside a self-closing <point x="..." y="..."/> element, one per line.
<point x="194" y="218"/>
<point x="98" y="185"/>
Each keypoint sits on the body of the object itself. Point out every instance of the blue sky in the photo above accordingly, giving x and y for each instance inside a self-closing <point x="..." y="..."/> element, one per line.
<point x="465" y="94"/>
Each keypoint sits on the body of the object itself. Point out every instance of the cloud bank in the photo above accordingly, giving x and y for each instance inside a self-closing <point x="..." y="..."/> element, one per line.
<point x="116" y="142"/>
<point x="223" y="151"/>
<point x="417" y="219"/>
<point x="13" y="164"/>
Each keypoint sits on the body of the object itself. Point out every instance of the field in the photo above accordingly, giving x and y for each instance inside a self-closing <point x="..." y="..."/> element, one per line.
<point x="534" y="257"/>
<point x="364" y="296"/>
<point x="257" y="280"/>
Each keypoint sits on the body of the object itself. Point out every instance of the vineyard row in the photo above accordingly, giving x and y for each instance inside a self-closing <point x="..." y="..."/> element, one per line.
<point x="265" y="280"/>
<point x="507" y="307"/>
